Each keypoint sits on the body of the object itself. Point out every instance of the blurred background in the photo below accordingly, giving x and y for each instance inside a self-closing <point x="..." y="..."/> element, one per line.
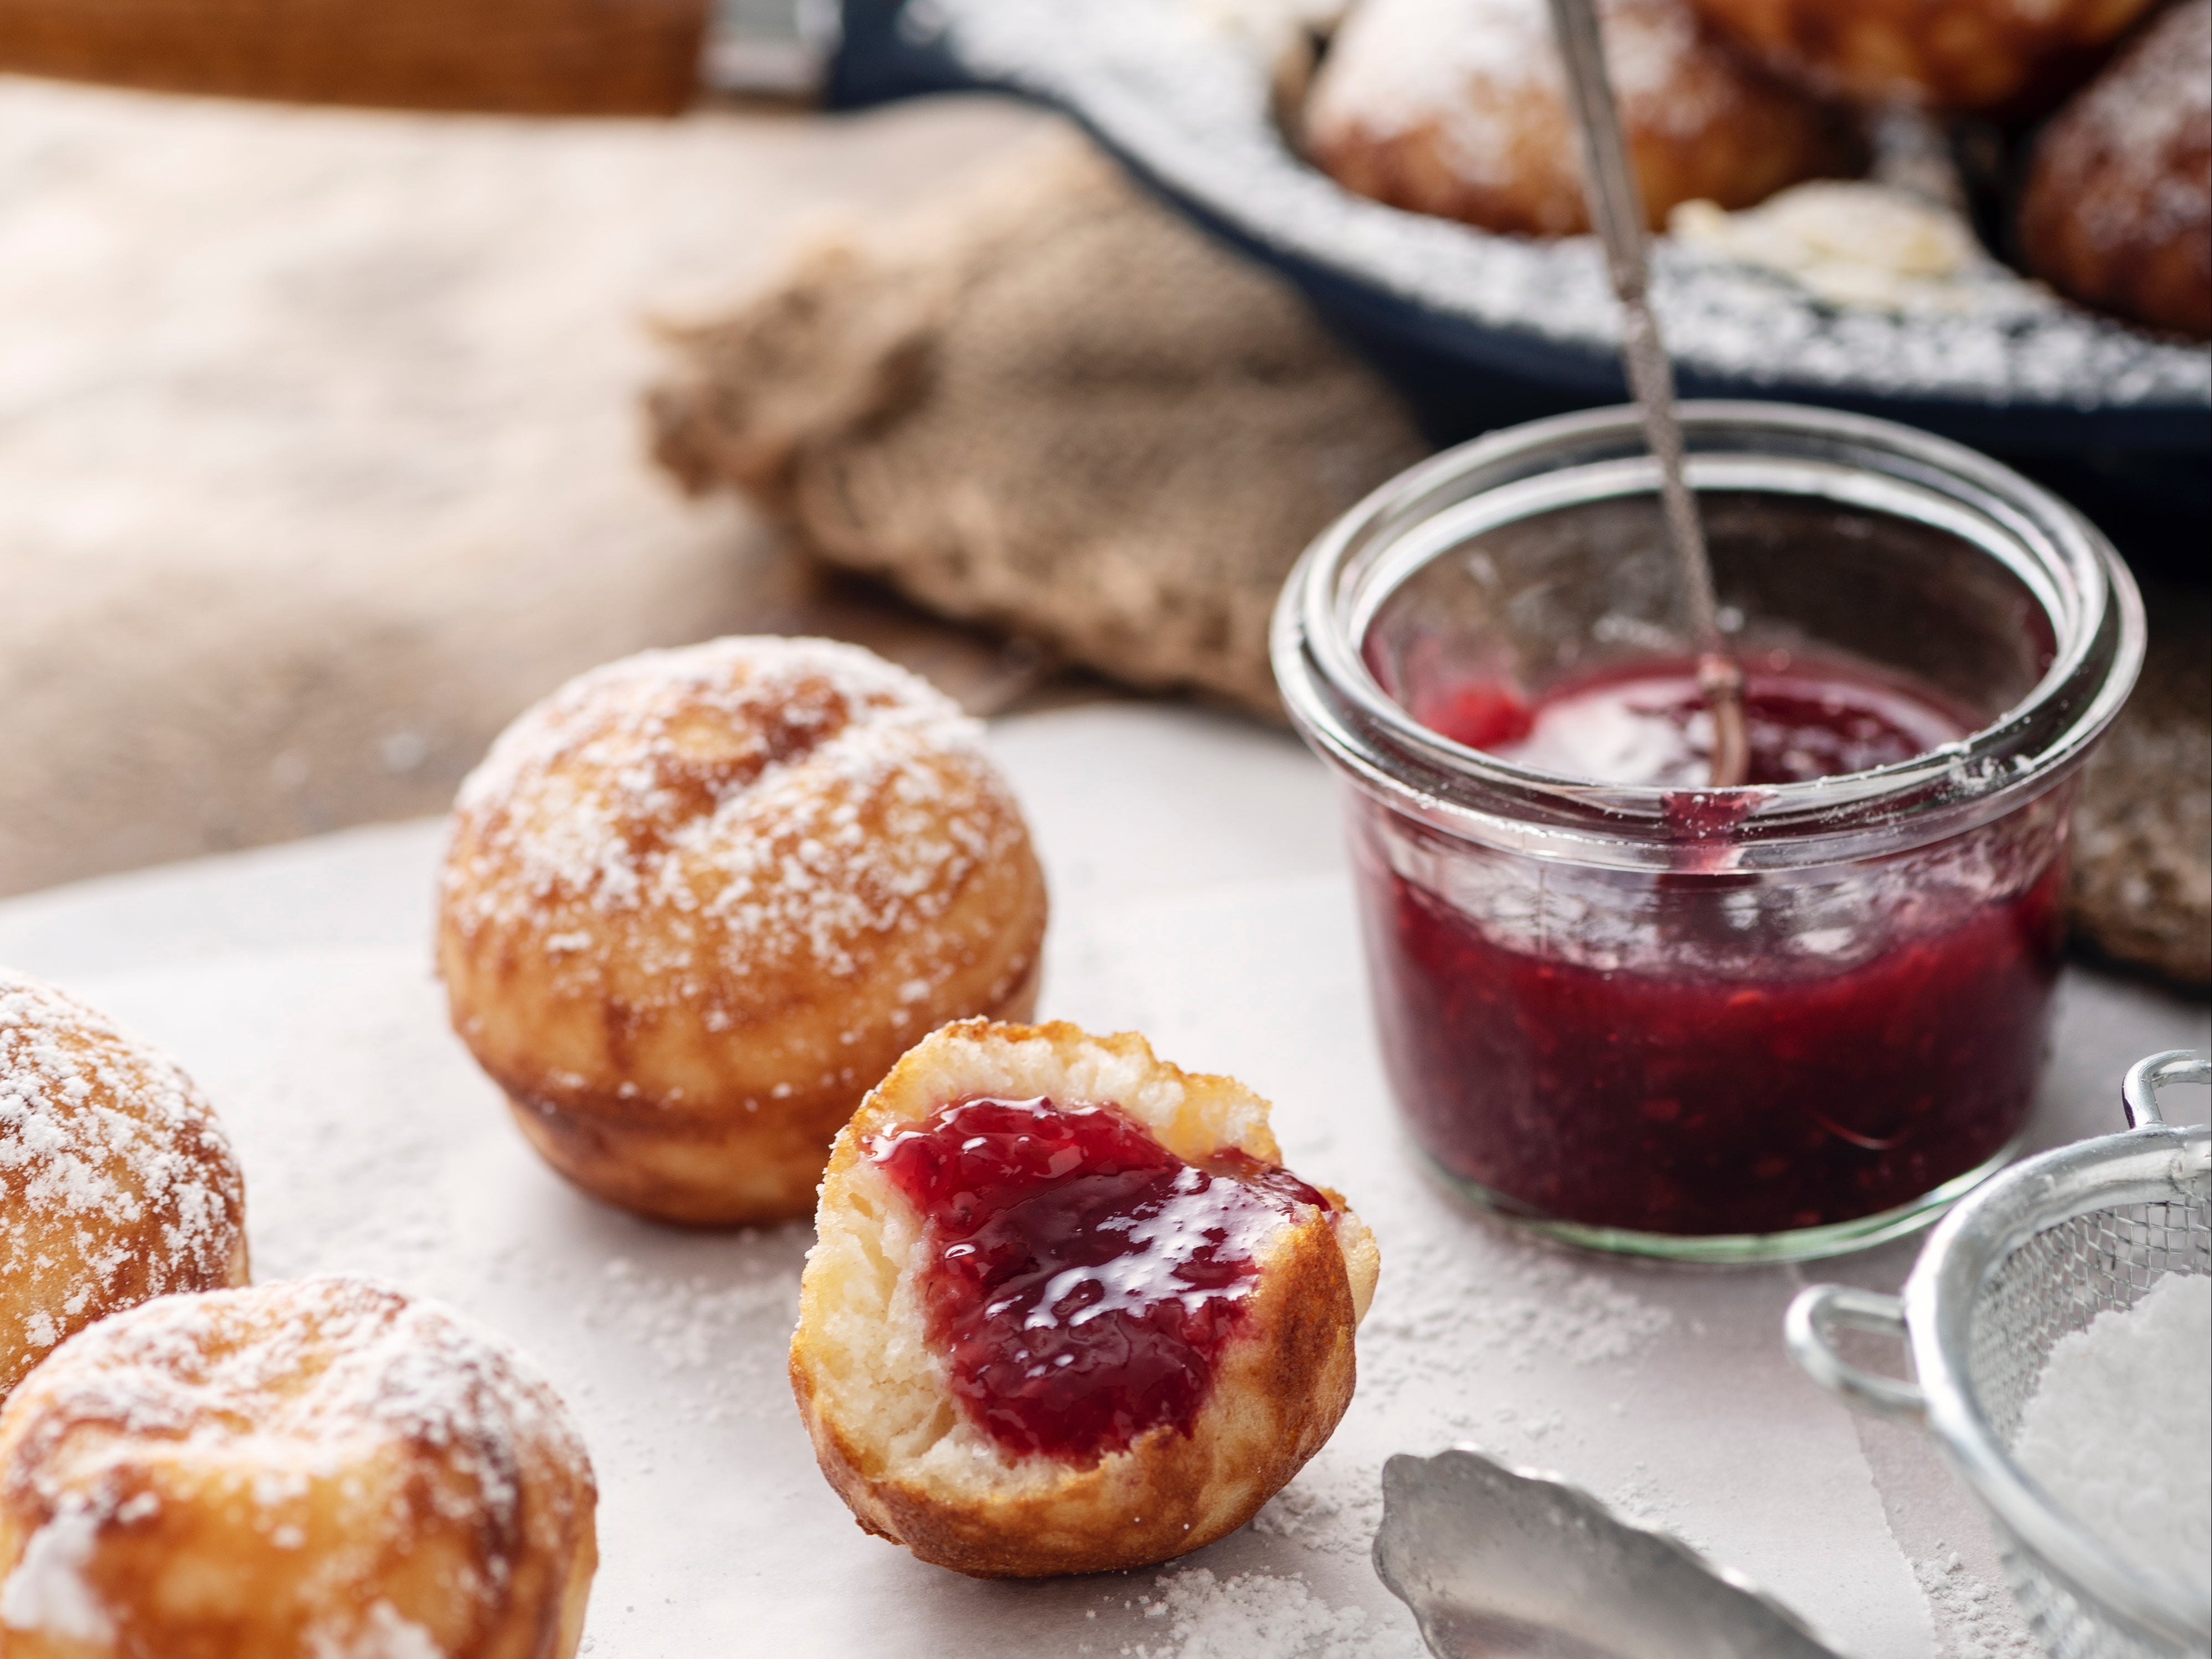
<point x="368" y="368"/>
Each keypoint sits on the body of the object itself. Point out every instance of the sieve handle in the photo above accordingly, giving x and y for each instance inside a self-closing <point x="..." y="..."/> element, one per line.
<point x="2139" y="1091"/>
<point x="1820" y="1306"/>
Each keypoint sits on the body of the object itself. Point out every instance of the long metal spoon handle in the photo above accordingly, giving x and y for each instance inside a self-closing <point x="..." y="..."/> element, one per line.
<point x="1616" y="207"/>
<point x="1651" y="381"/>
<point x="1610" y="186"/>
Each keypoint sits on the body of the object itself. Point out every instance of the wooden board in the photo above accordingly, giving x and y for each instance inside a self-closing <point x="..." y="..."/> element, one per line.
<point x="516" y="56"/>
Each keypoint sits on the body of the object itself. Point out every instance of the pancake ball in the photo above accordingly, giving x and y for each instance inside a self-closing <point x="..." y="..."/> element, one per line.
<point x="1992" y="56"/>
<point x="1067" y="1311"/>
<point x="1459" y="108"/>
<point x="2118" y="211"/>
<point x="116" y="1182"/>
<point x="318" y="1470"/>
<point x="698" y="901"/>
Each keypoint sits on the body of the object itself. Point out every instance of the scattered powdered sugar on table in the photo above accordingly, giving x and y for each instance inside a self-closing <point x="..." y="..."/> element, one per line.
<point x="1333" y="1507"/>
<point x="1443" y="1315"/>
<point x="731" y="1337"/>
<point x="2120" y="1428"/>
<point x="1973" y="1620"/>
<point x="1187" y="104"/>
<point x="1437" y="1305"/>
<point x="1255" y="1615"/>
<point x="1647" y="1502"/>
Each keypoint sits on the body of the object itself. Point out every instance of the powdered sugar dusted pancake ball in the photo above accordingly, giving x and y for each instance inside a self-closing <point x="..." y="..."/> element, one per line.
<point x="2006" y="56"/>
<point x="318" y="1470"/>
<point x="2118" y="211"/>
<point x="697" y="901"/>
<point x="1066" y="1311"/>
<point x="1458" y="108"/>
<point x="116" y="1182"/>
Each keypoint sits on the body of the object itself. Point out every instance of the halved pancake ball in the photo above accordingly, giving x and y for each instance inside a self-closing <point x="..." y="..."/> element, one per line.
<point x="324" y="1469"/>
<point x="696" y="901"/>
<point x="116" y="1181"/>
<point x="1067" y="1312"/>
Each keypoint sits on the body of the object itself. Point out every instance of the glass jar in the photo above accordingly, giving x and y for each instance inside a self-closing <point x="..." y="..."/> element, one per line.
<point x="1764" y="1023"/>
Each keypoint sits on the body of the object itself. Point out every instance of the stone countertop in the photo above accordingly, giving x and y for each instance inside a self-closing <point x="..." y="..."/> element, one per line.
<point x="1200" y="895"/>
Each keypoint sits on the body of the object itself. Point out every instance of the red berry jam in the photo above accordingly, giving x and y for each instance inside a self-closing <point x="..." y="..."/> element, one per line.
<point x="1648" y="725"/>
<point x="1083" y="1279"/>
<point x="1714" y="1051"/>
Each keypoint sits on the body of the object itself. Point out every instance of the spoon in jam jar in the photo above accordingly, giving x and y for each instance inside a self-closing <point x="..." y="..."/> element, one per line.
<point x="1616" y="208"/>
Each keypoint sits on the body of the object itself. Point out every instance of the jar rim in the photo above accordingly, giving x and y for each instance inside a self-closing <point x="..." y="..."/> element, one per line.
<point x="2072" y="571"/>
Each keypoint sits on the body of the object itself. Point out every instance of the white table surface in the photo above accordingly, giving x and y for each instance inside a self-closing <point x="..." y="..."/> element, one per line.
<point x="1199" y="896"/>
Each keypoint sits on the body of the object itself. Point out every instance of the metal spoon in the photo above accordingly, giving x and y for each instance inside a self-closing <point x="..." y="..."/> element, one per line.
<point x="1500" y="1563"/>
<point x="1616" y="208"/>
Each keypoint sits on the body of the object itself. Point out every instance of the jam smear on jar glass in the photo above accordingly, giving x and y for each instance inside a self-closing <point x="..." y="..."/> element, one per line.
<point x="1084" y="1279"/>
<point x="1706" y="1051"/>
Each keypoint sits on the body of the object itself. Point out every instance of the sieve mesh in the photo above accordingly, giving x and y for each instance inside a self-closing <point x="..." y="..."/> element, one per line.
<point x="2055" y="1282"/>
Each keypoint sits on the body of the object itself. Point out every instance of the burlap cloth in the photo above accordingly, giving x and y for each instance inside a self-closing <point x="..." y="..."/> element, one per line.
<point x="2143" y="835"/>
<point x="1044" y="403"/>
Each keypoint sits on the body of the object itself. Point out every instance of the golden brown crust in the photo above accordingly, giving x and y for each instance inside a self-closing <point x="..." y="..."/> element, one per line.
<point x="1988" y="56"/>
<point x="116" y="1183"/>
<point x="696" y="901"/>
<point x="2118" y="211"/>
<point x="1457" y="108"/>
<point x="655" y="1160"/>
<point x="307" y="1468"/>
<point x="887" y="1433"/>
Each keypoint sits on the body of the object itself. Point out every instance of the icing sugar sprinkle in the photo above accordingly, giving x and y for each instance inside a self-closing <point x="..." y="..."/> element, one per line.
<point x="47" y="1592"/>
<point x="2139" y="121"/>
<point x="727" y="807"/>
<point x="2119" y="1427"/>
<point x="1470" y="63"/>
<point x="1256" y="1615"/>
<point x="116" y="1181"/>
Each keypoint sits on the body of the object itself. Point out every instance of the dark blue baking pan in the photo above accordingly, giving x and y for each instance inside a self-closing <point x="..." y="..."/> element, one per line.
<point x="2142" y="468"/>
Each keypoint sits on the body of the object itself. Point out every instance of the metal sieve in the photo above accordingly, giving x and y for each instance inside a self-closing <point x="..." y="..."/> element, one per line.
<point x="2039" y="1251"/>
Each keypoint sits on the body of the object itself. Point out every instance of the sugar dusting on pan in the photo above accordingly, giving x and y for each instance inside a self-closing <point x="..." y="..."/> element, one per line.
<point x="1187" y="102"/>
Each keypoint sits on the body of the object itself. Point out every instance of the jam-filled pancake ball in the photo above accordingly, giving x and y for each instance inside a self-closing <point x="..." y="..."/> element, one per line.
<point x="2118" y="211"/>
<point x="116" y="1181"/>
<point x="1066" y="1311"/>
<point x="1459" y="108"/>
<point x="317" y="1470"/>
<point x="698" y="901"/>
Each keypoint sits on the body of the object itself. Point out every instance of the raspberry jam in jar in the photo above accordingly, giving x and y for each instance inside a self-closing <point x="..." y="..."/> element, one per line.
<point x="1754" y="1024"/>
